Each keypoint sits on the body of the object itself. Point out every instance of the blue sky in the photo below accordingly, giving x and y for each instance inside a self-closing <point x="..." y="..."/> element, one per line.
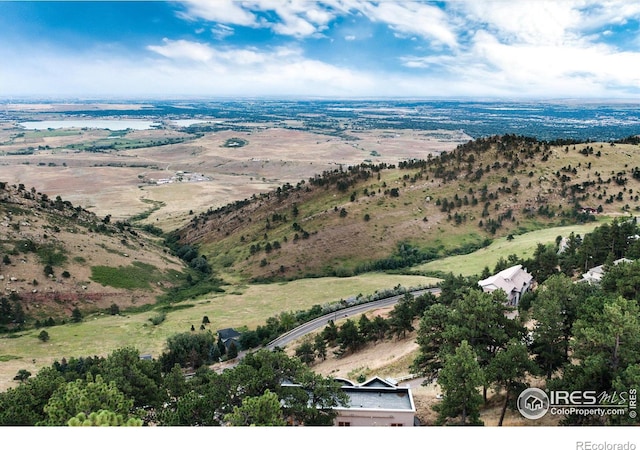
<point x="333" y="48"/>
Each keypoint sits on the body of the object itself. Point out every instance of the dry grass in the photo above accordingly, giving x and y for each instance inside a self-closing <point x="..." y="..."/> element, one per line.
<point x="248" y="306"/>
<point x="110" y="183"/>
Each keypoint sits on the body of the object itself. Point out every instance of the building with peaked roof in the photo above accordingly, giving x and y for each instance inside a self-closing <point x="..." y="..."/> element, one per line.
<point x="376" y="402"/>
<point x="229" y="336"/>
<point x="595" y="274"/>
<point x="514" y="281"/>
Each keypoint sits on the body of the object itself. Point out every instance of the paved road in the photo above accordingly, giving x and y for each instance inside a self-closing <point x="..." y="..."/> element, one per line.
<point x="322" y="321"/>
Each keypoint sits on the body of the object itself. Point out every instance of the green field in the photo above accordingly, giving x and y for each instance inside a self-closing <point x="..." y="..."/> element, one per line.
<point x="248" y="306"/>
<point x="523" y="245"/>
<point x="136" y="276"/>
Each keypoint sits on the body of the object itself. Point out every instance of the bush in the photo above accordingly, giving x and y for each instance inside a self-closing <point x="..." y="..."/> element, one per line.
<point x="43" y="336"/>
<point x="22" y="375"/>
<point x="76" y="315"/>
<point x="158" y="318"/>
<point x="189" y="350"/>
<point x="114" y="309"/>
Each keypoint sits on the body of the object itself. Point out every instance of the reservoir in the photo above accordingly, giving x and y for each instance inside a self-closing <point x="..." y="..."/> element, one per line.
<point x="104" y="124"/>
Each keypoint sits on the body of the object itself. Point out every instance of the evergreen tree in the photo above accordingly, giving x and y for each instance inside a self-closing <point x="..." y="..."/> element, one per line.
<point x="85" y="396"/>
<point x="431" y="340"/>
<point x="24" y="404"/>
<point x="257" y="411"/>
<point x="554" y="312"/>
<point x="508" y="370"/>
<point x="76" y="315"/>
<point x="43" y="336"/>
<point x="330" y="333"/>
<point x="481" y="319"/>
<point x="138" y="379"/>
<point x="460" y="380"/>
<point x="320" y="346"/>
<point x="306" y="352"/>
<point x="349" y="337"/>
<point x="401" y="317"/>
<point x="606" y="354"/>
<point x="103" y="418"/>
<point x="233" y="351"/>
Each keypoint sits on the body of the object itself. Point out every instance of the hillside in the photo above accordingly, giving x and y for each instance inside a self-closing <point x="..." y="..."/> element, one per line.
<point x="56" y="257"/>
<point x="388" y="216"/>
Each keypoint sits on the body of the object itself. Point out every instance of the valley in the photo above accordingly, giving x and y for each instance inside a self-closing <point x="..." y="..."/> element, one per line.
<point x="287" y="212"/>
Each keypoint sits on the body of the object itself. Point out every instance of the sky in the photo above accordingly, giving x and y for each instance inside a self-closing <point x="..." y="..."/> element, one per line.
<point x="335" y="48"/>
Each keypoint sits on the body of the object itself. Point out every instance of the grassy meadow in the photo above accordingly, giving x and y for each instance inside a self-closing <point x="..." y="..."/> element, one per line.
<point x="523" y="245"/>
<point x="242" y="306"/>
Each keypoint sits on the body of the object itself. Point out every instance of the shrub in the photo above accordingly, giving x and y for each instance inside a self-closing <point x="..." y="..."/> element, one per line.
<point x="76" y="315"/>
<point x="43" y="336"/>
<point x="158" y="318"/>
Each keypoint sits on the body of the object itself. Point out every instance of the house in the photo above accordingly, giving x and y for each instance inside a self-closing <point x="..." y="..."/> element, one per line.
<point x="595" y="274"/>
<point x="514" y="281"/>
<point x="376" y="402"/>
<point x="228" y="336"/>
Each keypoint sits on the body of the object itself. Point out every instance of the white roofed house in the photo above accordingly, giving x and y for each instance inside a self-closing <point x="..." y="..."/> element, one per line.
<point x="514" y="281"/>
<point x="376" y="402"/>
<point x="595" y="274"/>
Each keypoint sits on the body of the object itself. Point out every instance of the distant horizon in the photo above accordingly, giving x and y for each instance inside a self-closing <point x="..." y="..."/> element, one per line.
<point x="118" y="100"/>
<point x="546" y="119"/>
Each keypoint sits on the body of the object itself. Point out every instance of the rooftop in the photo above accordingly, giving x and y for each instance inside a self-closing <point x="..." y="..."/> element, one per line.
<point x="379" y="394"/>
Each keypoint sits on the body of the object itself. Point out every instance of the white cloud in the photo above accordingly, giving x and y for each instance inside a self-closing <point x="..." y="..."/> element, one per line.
<point x="413" y="18"/>
<point x="221" y="31"/>
<point x="293" y="25"/>
<point x="541" y="22"/>
<point x="298" y="18"/>
<point x="182" y="68"/>
<point x="497" y="48"/>
<point x="548" y="70"/>
<point x="225" y="11"/>
<point x="535" y="48"/>
<point x="609" y="12"/>
<point x="546" y="22"/>
<point x="182" y="49"/>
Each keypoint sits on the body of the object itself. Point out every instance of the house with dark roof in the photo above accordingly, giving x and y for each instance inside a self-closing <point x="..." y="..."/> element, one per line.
<point x="376" y="402"/>
<point x="228" y="336"/>
<point x="514" y="281"/>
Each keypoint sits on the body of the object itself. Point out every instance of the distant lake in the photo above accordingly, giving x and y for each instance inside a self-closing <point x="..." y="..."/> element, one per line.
<point x="103" y="124"/>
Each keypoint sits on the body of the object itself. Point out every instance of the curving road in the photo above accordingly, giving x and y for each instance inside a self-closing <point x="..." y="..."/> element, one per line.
<point x="322" y="321"/>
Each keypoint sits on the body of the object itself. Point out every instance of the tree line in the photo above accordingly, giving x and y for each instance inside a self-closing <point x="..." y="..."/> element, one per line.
<point x="585" y="337"/>
<point x="123" y="389"/>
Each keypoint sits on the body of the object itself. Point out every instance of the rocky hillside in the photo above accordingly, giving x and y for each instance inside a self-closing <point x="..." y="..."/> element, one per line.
<point x="372" y="217"/>
<point x="57" y="257"/>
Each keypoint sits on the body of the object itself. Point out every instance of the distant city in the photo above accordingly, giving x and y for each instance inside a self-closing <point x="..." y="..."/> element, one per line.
<point x="573" y="120"/>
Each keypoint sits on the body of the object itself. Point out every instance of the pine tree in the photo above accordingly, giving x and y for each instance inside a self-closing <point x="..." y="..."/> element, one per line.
<point x="460" y="380"/>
